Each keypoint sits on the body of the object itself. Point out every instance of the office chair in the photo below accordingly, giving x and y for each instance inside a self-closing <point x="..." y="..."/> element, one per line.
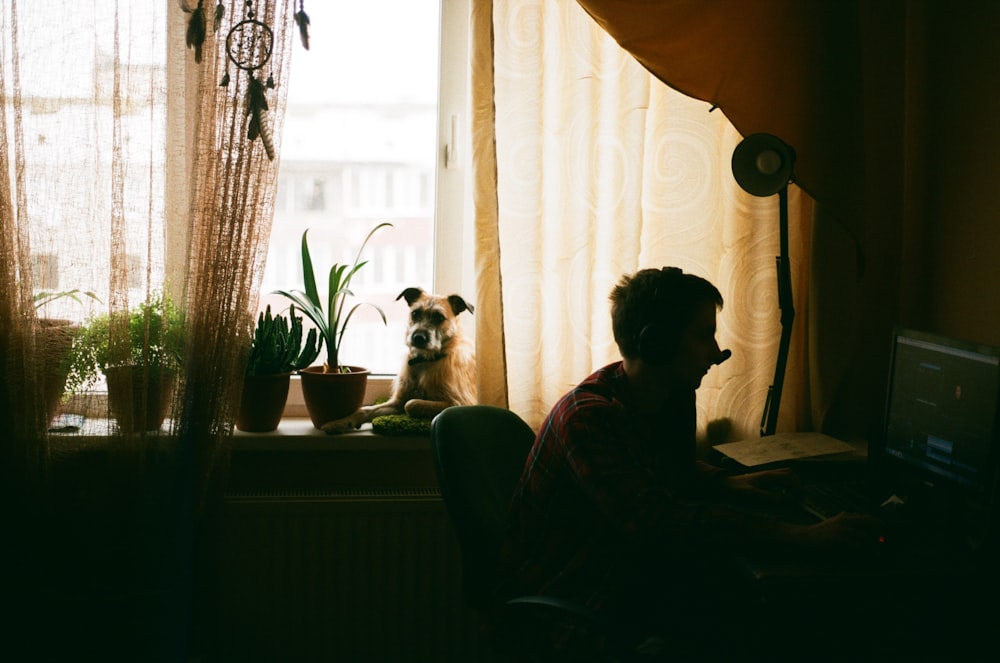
<point x="479" y="453"/>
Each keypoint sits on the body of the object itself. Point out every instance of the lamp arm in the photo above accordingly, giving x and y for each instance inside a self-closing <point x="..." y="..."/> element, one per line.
<point x="769" y="420"/>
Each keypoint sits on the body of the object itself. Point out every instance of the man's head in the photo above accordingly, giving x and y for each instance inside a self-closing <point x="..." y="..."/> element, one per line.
<point x="665" y="317"/>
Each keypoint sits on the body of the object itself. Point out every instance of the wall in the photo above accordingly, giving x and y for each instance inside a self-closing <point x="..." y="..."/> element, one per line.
<point x="930" y="238"/>
<point x="957" y="272"/>
<point x="338" y="551"/>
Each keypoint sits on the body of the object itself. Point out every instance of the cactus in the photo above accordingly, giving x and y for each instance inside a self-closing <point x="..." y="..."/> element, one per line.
<point x="277" y="344"/>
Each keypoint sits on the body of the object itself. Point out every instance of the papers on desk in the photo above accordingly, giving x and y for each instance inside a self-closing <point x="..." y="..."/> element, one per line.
<point x="782" y="446"/>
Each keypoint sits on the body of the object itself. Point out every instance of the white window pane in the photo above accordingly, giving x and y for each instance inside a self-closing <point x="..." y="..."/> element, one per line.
<point x="360" y="147"/>
<point x="68" y="86"/>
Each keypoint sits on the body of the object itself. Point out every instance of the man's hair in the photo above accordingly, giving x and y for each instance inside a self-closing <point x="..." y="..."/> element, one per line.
<point x="667" y="299"/>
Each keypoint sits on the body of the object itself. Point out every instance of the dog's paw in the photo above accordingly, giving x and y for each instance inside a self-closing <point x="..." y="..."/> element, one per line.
<point x="338" y="426"/>
<point x="419" y="408"/>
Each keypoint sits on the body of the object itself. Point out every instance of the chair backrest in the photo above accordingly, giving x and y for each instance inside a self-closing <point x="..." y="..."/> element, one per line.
<point x="479" y="454"/>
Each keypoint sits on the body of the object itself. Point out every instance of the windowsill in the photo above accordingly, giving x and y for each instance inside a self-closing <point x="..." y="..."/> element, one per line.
<point x="379" y="387"/>
<point x="292" y="434"/>
<point x="295" y="459"/>
<point x="299" y="434"/>
<point x="299" y="458"/>
<point x="295" y="423"/>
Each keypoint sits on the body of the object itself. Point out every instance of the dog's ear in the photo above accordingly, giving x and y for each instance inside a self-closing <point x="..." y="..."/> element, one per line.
<point x="410" y="295"/>
<point x="458" y="304"/>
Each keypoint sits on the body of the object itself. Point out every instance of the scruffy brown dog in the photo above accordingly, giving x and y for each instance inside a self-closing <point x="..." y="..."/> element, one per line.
<point x="440" y="368"/>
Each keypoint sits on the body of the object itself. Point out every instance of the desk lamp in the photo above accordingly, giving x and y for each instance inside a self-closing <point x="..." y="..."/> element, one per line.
<point x="762" y="166"/>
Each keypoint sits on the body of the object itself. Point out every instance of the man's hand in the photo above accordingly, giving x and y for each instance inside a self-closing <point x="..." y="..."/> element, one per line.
<point x="845" y="533"/>
<point x="767" y="486"/>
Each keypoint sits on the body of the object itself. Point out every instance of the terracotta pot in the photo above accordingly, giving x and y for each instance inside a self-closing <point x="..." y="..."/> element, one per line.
<point x="263" y="402"/>
<point x="56" y="341"/>
<point x="139" y="407"/>
<point x="330" y="396"/>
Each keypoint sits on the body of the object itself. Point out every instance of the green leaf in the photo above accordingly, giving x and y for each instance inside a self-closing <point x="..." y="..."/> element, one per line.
<point x="48" y="296"/>
<point x="307" y="272"/>
<point x="311" y="310"/>
<point x="331" y="323"/>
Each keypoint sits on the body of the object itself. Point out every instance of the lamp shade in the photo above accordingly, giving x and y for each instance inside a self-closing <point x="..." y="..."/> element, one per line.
<point x="762" y="164"/>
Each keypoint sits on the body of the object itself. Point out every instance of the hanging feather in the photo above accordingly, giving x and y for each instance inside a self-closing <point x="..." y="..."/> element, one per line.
<point x="302" y="19"/>
<point x="220" y="11"/>
<point x="196" y="31"/>
<point x="256" y="108"/>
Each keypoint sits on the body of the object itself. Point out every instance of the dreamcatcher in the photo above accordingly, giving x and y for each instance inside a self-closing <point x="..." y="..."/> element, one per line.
<point x="248" y="48"/>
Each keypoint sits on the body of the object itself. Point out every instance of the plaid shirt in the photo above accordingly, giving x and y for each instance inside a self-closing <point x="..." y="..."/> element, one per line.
<point x="603" y="490"/>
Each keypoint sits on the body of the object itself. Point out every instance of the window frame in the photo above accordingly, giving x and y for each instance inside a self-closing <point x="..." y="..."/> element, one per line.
<point x="453" y="248"/>
<point x="452" y="244"/>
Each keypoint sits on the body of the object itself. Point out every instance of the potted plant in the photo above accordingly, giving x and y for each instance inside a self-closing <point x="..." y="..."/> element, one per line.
<point x="276" y="351"/>
<point x="335" y="389"/>
<point x="55" y="341"/>
<point x="139" y="353"/>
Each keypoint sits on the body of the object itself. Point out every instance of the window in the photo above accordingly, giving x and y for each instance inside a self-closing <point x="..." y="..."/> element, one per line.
<point x="369" y="106"/>
<point x="361" y="146"/>
<point x="67" y="85"/>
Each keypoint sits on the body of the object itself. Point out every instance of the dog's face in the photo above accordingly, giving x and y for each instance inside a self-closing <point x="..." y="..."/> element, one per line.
<point x="433" y="320"/>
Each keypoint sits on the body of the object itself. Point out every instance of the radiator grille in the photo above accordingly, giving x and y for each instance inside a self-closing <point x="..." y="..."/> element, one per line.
<point x="353" y="575"/>
<point x="417" y="493"/>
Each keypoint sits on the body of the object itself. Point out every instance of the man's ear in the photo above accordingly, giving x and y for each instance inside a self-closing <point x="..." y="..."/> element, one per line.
<point x="458" y="304"/>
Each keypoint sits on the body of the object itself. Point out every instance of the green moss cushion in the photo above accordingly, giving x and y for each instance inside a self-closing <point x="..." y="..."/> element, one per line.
<point x="400" y="424"/>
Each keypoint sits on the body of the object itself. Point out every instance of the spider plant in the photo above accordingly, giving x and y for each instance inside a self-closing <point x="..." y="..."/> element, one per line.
<point x="331" y="320"/>
<point x="42" y="298"/>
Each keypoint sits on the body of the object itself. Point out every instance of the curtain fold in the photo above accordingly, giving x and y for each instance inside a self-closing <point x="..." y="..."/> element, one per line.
<point x="829" y="78"/>
<point x="127" y="172"/>
<point x="602" y="170"/>
<point x="776" y="66"/>
<point x="25" y="449"/>
<point x="491" y="353"/>
<point x="231" y="211"/>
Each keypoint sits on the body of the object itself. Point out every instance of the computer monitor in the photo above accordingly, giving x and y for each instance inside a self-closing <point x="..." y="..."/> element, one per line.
<point x="941" y="418"/>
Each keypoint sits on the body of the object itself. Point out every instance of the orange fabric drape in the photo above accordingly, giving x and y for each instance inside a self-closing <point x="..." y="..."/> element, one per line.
<point x="827" y="77"/>
<point x="784" y="67"/>
<point x="586" y="167"/>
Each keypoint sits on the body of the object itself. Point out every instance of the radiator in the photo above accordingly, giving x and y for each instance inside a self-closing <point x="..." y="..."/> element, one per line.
<point x="356" y="576"/>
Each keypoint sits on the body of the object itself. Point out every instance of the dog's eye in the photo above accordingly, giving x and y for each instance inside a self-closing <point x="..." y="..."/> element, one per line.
<point x="416" y="315"/>
<point x="437" y="318"/>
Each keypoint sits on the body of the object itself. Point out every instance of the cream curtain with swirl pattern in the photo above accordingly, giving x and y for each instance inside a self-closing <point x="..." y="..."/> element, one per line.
<point x="600" y="170"/>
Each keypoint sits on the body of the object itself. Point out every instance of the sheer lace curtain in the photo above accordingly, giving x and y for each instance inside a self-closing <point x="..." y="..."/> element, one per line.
<point x="601" y="170"/>
<point x="127" y="173"/>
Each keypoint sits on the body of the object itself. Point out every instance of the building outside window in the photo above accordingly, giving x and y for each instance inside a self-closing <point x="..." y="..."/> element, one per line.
<point x="360" y="147"/>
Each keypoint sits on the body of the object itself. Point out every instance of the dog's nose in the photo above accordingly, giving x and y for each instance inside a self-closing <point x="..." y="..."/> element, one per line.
<point x="419" y="339"/>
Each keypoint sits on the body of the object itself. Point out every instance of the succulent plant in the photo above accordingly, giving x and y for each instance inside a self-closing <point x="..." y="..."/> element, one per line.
<point x="277" y="345"/>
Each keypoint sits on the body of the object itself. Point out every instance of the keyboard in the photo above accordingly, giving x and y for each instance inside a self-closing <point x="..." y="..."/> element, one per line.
<point x="825" y="500"/>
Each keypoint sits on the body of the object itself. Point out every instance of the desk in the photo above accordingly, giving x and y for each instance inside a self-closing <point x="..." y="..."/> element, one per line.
<point x="801" y="450"/>
<point x="924" y="600"/>
<point x="858" y="613"/>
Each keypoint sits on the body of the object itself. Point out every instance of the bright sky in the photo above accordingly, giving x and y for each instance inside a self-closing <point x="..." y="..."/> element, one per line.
<point x="59" y="40"/>
<point x="368" y="50"/>
<point x="360" y="50"/>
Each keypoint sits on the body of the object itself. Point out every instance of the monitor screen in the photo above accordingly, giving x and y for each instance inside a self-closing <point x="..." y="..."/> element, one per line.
<point x="941" y="413"/>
